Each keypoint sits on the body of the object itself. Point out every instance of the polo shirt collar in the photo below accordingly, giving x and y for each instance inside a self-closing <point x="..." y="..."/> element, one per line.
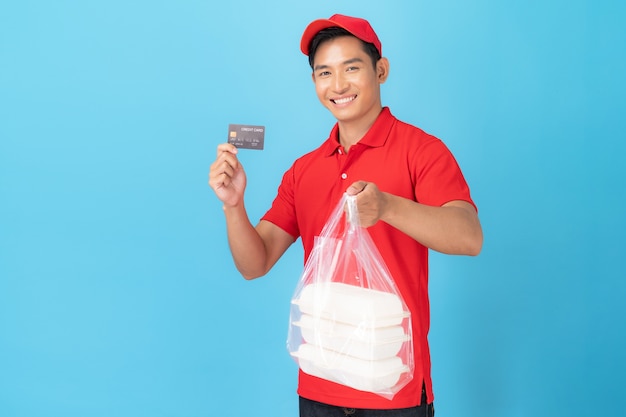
<point x="374" y="138"/>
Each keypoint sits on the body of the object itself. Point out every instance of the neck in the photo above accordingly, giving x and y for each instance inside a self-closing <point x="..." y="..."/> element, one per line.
<point x="350" y="132"/>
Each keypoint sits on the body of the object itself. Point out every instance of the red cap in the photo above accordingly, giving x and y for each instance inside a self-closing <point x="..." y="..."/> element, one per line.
<point x="360" y="28"/>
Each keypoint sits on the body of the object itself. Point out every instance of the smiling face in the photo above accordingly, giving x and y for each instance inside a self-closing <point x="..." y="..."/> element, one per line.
<point x="346" y="81"/>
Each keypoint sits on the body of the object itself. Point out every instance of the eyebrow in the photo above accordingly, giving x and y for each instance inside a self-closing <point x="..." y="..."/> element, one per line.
<point x="349" y="61"/>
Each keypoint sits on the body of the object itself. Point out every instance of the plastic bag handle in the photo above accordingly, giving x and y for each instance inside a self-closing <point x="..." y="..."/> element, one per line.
<point x="352" y="212"/>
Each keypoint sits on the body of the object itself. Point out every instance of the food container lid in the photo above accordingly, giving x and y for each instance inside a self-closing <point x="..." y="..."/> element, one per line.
<point x="364" y="334"/>
<point x="351" y="304"/>
<point x="365" y="375"/>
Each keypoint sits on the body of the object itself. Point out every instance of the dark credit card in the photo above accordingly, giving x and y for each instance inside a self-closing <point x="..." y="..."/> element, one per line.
<point x="246" y="136"/>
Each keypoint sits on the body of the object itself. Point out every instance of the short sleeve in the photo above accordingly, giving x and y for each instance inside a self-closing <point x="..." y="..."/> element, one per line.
<point x="439" y="179"/>
<point x="282" y="213"/>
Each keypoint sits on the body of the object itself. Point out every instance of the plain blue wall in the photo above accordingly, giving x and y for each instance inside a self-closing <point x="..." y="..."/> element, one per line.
<point x="118" y="296"/>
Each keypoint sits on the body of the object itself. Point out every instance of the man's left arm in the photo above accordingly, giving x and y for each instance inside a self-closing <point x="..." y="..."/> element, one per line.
<point x="453" y="228"/>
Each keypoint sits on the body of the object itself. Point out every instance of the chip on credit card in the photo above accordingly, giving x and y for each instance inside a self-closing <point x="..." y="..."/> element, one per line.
<point x="246" y="136"/>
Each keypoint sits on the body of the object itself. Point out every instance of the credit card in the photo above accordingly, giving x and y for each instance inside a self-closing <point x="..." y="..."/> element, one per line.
<point x="246" y="136"/>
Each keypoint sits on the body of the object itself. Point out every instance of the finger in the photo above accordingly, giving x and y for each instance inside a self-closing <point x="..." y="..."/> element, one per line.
<point x="225" y="159"/>
<point x="219" y="180"/>
<point x="221" y="172"/>
<point x="227" y="147"/>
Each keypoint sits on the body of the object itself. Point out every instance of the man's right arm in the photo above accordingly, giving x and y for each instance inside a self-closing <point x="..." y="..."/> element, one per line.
<point x="255" y="250"/>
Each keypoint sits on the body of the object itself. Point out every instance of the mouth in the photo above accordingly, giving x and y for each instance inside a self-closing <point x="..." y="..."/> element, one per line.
<point x="343" y="100"/>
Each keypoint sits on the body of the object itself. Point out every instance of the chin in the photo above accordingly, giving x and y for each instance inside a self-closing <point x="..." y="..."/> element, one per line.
<point x="343" y="115"/>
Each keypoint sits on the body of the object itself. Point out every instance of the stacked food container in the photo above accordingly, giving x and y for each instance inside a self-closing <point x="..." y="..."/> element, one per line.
<point x="352" y="335"/>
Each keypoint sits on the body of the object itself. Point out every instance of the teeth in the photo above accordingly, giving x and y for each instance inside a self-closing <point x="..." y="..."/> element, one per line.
<point x="344" y="100"/>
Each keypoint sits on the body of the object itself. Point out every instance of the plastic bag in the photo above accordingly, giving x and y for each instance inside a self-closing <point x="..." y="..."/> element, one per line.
<point x="348" y="322"/>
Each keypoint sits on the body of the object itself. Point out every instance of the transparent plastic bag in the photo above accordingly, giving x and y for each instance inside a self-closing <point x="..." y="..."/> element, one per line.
<point x="348" y="322"/>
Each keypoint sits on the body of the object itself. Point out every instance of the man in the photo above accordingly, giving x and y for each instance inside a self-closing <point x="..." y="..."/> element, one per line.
<point x="410" y="194"/>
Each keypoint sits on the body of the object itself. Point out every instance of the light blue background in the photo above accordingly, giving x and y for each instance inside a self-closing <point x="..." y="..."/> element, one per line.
<point x="118" y="296"/>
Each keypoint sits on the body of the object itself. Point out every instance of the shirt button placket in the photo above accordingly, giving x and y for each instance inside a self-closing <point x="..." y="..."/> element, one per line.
<point x="342" y="163"/>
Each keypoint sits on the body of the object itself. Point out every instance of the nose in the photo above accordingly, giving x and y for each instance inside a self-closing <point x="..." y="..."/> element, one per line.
<point x="341" y="83"/>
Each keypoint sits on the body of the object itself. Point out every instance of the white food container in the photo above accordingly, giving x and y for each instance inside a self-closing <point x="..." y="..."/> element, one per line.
<point x="369" y="343"/>
<point x="360" y="374"/>
<point x="351" y="304"/>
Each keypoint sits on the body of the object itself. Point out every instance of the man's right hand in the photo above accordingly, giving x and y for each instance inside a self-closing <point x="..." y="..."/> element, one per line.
<point x="227" y="177"/>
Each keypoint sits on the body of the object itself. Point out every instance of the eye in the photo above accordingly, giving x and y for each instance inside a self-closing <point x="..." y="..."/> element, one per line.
<point x="352" y="68"/>
<point x="324" y="74"/>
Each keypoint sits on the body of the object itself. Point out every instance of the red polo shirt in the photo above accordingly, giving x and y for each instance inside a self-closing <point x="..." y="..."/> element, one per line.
<point x="402" y="160"/>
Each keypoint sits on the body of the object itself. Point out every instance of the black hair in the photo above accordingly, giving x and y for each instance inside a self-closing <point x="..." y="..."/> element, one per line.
<point x="335" y="32"/>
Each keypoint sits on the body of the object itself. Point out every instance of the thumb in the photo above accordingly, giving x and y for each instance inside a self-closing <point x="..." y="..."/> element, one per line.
<point x="356" y="188"/>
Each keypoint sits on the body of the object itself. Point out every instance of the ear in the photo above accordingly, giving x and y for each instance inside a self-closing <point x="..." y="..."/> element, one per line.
<point x="313" y="76"/>
<point x="382" y="70"/>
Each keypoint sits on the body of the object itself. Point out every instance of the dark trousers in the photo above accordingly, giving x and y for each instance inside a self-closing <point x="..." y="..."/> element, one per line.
<point x="310" y="408"/>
